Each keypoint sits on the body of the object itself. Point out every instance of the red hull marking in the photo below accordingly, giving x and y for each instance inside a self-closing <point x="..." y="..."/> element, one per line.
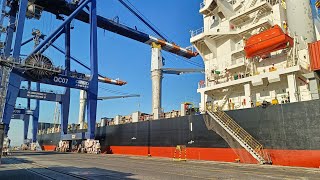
<point x="303" y="158"/>
<point x="213" y="154"/>
<point x="131" y="150"/>
<point x="48" y="147"/>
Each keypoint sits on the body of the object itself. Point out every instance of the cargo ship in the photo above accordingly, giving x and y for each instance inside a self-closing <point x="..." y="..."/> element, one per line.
<point x="259" y="100"/>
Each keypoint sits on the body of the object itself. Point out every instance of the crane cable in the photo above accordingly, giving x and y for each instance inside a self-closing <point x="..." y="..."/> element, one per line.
<point x="113" y="91"/>
<point x="163" y="34"/>
<point x="78" y="61"/>
<point x="141" y="19"/>
<point x="82" y="63"/>
<point x="154" y="28"/>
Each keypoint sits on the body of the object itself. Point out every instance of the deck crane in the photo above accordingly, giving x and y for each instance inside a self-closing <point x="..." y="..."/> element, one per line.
<point x="157" y="69"/>
<point x="62" y="7"/>
<point x="83" y="102"/>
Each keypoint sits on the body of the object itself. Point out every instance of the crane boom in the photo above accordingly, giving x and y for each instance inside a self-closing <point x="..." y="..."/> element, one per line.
<point x="62" y="7"/>
<point x="111" y="81"/>
<point x="118" y="97"/>
<point x="181" y="71"/>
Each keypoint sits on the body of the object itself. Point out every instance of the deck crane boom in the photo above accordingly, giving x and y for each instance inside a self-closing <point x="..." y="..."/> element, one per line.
<point x="181" y="71"/>
<point x="118" y="97"/>
<point x="83" y="102"/>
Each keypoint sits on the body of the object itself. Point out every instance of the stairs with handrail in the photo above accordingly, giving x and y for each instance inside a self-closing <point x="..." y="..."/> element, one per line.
<point x="249" y="143"/>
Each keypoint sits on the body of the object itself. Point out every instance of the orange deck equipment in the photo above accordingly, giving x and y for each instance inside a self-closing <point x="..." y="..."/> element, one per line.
<point x="267" y="41"/>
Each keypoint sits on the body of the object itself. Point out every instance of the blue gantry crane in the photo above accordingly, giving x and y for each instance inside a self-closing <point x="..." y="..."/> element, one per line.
<point x="39" y="68"/>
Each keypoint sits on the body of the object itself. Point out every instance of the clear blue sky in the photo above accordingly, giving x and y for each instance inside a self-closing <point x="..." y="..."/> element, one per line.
<point x="126" y="59"/>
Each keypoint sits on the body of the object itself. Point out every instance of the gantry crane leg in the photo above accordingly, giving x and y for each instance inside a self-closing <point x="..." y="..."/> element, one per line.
<point x="13" y="85"/>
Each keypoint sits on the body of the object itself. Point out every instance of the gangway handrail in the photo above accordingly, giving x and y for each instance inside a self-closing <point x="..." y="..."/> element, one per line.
<point x="254" y="147"/>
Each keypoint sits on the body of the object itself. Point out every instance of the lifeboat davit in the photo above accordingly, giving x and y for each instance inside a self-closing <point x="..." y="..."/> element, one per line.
<point x="268" y="41"/>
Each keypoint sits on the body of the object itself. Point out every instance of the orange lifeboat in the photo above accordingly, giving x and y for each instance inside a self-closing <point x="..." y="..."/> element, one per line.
<point x="267" y="41"/>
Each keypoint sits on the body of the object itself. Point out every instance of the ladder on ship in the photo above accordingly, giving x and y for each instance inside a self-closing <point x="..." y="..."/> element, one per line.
<point x="250" y="144"/>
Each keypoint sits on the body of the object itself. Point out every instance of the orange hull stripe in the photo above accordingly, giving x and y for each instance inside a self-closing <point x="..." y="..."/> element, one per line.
<point x="303" y="158"/>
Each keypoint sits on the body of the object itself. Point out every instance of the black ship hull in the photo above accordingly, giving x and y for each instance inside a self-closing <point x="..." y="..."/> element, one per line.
<point x="289" y="132"/>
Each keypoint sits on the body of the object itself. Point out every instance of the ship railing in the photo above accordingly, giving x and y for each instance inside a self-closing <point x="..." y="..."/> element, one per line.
<point x="202" y="4"/>
<point x="237" y="61"/>
<point x="247" y="24"/>
<point x="232" y="2"/>
<point x="273" y="2"/>
<point x="263" y="17"/>
<point x="221" y="29"/>
<point x="239" y="132"/>
<point x="201" y="84"/>
<point x="197" y="32"/>
<point x="213" y="29"/>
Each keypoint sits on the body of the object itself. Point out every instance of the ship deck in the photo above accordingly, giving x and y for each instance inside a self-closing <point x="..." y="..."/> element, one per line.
<point x="51" y="165"/>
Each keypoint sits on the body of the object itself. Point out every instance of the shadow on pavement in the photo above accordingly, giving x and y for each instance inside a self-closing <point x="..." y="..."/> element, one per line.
<point x="35" y="153"/>
<point x="63" y="173"/>
<point x="10" y="160"/>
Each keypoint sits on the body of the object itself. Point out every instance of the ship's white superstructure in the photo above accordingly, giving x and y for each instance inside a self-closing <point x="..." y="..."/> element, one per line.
<point x="233" y="81"/>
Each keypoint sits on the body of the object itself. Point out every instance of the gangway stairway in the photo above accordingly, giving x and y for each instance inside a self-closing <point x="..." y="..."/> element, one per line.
<point x="250" y="144"/>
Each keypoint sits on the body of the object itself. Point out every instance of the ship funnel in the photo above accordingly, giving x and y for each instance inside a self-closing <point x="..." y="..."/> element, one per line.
<point x="300" y="22"/>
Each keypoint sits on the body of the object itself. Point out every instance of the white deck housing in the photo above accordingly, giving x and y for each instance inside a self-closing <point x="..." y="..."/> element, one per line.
<point x="234" y="82"/>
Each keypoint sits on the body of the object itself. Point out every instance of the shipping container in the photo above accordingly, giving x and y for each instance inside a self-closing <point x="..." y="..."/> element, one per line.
<point x="314" y="53"/>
